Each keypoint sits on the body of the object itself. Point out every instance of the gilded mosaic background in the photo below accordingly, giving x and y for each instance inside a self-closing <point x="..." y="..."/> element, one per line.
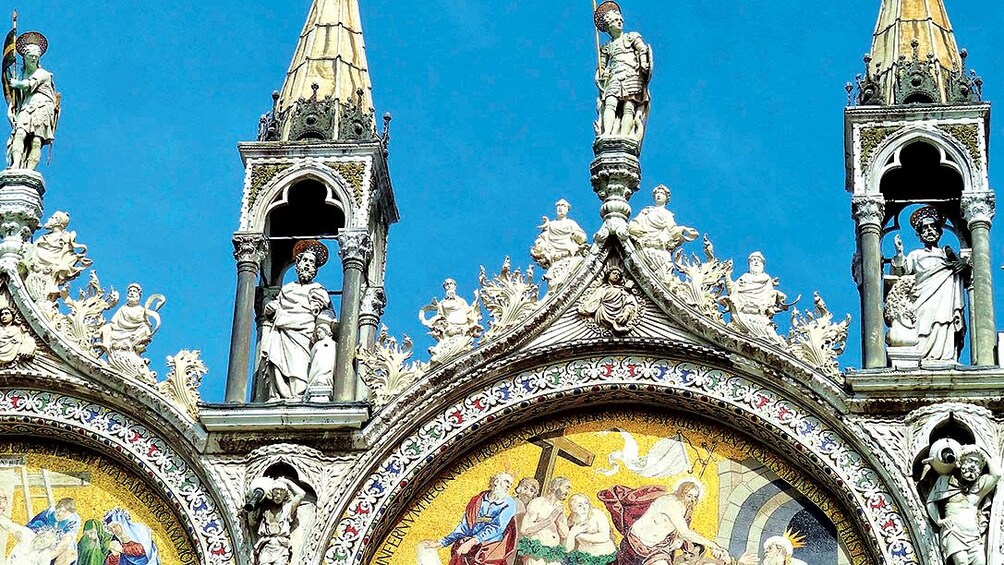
<point x="624" y="488"/>
<point x="64" y="506"/>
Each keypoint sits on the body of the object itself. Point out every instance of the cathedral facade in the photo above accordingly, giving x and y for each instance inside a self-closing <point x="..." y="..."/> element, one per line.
<point x="628" y="399"/>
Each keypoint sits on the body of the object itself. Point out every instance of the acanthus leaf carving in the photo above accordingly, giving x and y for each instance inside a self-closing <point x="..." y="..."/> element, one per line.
<point x="389" y="372"/>
<point x="183" y="379"/>
<point x="509" y="298"/>
<point x="816" y="339"/>
<point x="703" y="283"/>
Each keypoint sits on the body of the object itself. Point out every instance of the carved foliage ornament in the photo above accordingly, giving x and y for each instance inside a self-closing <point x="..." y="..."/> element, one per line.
<point x="182" y="383"/>
<point x="871" y="139"/>
<point x="979" y="207"/>
<point x="249" y="248"/>
<point x="816" y="339"/>
<point x="868" y="210"/>
<point x="703" y="282"/>
<point x="969" y="136"/>
<point x="355" y="246"/>
<point x="388" y="372"/>
<point x="509" y="298"/>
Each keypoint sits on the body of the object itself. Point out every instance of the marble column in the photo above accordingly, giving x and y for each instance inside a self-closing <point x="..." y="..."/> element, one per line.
<point x="374" y="302"/>
<point x="249" y="250"/>
<point x="978" y="211"/>
<point x="868" y="213"/>
<point x="355" y="248"/>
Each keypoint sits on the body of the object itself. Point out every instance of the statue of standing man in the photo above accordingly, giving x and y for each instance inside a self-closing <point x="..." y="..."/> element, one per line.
<point x="625" y="69"/>
<point x="290" y="325"/>
<point x="32" y="102"/>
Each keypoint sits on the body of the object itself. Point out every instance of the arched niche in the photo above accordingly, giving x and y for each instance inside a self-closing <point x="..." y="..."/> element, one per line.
<point x="408" y="464"/>
<point x="306" y="209"/>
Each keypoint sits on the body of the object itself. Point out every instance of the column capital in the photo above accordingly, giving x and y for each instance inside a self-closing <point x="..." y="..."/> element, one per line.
<point x="249" y="247"/>
<point x="868" y="210"/>
<point x="355" y="246"/>
<point x="374" y="302"/>
<point x="979" y="207"/>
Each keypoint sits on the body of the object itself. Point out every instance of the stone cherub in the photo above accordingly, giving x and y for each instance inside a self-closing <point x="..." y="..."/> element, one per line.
<point x="959" y="502"/>
<point x="126" y="336"/>
<point x="33" y="108"/>
<point x="623" y="75"/>
<point x="290" y="325"/>
<point x="454" y="325"/>
<point x="559" y="239"/>
<point x="938" y="287"/>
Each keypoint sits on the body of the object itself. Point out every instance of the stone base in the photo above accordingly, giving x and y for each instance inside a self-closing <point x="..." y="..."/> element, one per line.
<point x="318" y="393"/>
<point x="615" y="174"/>
<point x="21" y="192"/>
<point x="903" y="357"/>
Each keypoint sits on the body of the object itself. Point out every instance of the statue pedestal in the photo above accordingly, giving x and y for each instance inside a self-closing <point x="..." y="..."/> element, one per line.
<point x="318" y="393"/>
<point x="903" y="357"/>
<point x="615" y="174"/>
<point x="21" y="193"/>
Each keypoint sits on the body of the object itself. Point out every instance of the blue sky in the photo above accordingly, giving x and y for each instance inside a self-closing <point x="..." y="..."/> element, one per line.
<point x="493" y="104"/>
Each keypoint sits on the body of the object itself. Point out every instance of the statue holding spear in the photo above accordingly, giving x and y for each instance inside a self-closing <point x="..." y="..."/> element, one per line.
<point x="32" y="101"/>
<point x="622" y="76"/>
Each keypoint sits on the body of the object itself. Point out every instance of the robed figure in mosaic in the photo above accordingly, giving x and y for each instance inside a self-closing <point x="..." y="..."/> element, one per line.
<point x="938" y="284"/>
<point x="625" y="69"/>
<point x="32" y="103"/>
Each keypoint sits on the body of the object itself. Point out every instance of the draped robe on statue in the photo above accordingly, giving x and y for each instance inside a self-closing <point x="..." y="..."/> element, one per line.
<point x="656" y="227"/>
<point x="939" y="304"/>
<point x="285" y="346"/>
<point x="560" y="238"/>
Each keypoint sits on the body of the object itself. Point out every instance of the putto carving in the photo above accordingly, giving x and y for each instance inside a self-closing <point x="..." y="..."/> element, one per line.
<point x="16" y="342"/>
<point x="125" y="338"/>
<point x="291" y="321"/>
<point x="704" y="282"/>
<point x="509" y="298"/>
<point x="959" y="504"/>
<point x="753" y="300"/>
<point x="323" y="354"/>
<point x="184" y="376"/>
<point x="655" y="227"/>
<point x="52" y="261"/>
<point x="816" y="339"/>
<point x="613" y="305"/>
<point x="454" y="325"/>
<point x="623" y="75"/>
<point x="389" y="372"/>
<point x="560" y="245"/>
<point x="938" y="287"/>
<point x="902" y="321"/>
<point x="33" y="104"/>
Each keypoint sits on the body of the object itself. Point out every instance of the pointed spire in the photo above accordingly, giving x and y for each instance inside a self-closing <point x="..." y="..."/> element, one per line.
<point x="915" y="58"/>
<point x="327" y="94"/>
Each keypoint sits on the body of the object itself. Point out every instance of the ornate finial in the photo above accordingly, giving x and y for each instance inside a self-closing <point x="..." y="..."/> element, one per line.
<point x="868" y="85"/>
<point x="313" y="88"/>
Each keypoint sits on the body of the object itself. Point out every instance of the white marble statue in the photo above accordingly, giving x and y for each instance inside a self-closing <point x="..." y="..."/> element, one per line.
<point x="16" y="343"/>
<point x="126" y="336"/>
<point x="959" y="502"/>
<point x="655" y="226"/>
<point x="271" y="506"/>
<point x="34" y="109"/>
<point x="623" y="75"/>
<point x="321" y="375"/>
<point x="560" y="241"/>
<point x="53" y="259"/>
<point x="938" y="285"/>
<point x="454" y="325"/>
<point x="753" y="300"/>
<point x="290" y="322"/>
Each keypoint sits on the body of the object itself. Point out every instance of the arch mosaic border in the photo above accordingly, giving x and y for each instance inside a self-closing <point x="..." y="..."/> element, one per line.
<point x="809" y="438"/>
<point x="74" y="419"/>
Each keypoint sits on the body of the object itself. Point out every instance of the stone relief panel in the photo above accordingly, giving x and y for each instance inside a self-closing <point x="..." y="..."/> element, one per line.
<point x="598" y="488"/>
